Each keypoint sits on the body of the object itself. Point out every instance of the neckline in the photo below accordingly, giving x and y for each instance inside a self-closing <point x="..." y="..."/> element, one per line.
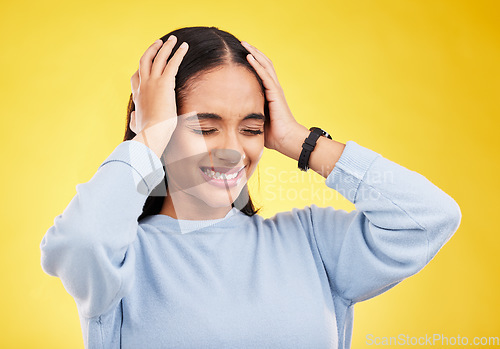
<point x="184" y="226"/>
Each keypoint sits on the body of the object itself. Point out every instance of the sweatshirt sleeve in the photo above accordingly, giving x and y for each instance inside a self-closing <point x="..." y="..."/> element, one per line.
<point x="89" y="245"/>
<point x="400" y="222"/>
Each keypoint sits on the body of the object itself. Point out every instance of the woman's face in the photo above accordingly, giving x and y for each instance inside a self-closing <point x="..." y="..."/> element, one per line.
<point x="212" y="154"/>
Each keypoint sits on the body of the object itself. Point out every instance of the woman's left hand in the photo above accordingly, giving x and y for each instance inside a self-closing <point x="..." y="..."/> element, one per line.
<point x="282" y="122"/>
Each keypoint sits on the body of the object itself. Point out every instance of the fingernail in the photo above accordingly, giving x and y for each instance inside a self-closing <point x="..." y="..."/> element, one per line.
<point x="252" y="57"/>
<point x="184" y="45"/>
<point x="171" y="37"/>
<point x="157" y="41"/>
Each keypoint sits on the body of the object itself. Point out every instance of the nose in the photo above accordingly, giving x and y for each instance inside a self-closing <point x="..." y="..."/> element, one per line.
<point x="228" y="156"/>
<point x="229" y="150"/>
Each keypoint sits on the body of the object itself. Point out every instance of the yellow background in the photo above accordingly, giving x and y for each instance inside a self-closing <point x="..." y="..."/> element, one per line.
<point x="416" y="81"/>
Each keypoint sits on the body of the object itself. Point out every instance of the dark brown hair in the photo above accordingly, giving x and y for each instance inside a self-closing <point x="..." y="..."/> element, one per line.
<point x="209" y="48"/>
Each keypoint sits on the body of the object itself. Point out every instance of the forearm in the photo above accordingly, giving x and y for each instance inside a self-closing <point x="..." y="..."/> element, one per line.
<point x="324" y="156"/>
<point x="400" y="222"/>
<point x="88" y="243"/>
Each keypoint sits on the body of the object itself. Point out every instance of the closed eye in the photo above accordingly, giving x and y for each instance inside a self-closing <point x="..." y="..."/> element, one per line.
<point x="204" y="132"/>
<point x="207" y="132"/>
<point x="255" y="132"/>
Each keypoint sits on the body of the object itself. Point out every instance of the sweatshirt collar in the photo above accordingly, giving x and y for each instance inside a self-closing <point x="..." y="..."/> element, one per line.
<point x="184" y="226"/>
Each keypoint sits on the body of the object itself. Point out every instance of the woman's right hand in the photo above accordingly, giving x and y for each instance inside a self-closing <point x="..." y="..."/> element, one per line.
<point x="153" y="86"/>
<point x="153" y="92"/>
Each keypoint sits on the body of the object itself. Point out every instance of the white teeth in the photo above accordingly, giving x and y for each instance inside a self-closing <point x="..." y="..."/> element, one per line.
<point x="218" y="175"/>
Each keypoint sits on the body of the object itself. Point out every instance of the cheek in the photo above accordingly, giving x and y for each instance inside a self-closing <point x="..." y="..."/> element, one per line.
<point x="261" y="152"/>
<point x="183" y="147"/>
<point x="182" y="159"/>
<point x="254" y="151"/>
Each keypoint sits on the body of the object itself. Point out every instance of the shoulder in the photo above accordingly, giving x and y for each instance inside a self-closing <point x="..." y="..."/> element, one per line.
<point x="312" y="218"/>
<point x="296" y="218"/>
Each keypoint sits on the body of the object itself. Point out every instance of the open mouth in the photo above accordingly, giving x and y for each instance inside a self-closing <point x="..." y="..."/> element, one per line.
<point x="222" y="176"/>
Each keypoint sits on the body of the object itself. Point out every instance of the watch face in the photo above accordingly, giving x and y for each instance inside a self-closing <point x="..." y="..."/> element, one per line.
<point x="320" y="132"/>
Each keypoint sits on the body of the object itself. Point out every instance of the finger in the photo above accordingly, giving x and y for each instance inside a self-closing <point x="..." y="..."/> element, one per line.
<point x="132" y="122"/>
<point x="262" y="59"/>
<point x="134" y="81"/>
<point x="171" y="71"/>
<point x="268" y="81"/>
<point x="174" y="63"/>
<point x="146" y="60"/>
<point x="257" y="53"/>
<point x="161" y="58"/>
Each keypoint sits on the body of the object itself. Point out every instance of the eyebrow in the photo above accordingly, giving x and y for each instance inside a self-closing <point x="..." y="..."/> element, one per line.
<point x="202" y="116"/>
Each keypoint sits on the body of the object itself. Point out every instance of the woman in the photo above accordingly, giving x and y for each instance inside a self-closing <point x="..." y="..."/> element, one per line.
<point x="190" y="264"/>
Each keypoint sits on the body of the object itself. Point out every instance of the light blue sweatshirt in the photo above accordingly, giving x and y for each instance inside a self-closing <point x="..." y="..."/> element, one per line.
<point x="289" y="281"/>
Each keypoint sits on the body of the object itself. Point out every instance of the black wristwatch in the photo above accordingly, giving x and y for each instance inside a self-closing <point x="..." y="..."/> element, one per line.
<point x="308" y="146"/>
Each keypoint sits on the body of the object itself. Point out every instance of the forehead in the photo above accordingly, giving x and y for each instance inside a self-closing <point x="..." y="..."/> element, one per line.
<point x="229" y="90"/>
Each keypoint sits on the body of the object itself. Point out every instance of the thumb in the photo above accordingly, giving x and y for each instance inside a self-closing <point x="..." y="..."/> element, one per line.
<point x="133" y="125"/>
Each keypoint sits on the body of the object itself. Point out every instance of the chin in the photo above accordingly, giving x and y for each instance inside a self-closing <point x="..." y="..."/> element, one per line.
<point x="217" y="203"/>
<point x="217" y="197"/>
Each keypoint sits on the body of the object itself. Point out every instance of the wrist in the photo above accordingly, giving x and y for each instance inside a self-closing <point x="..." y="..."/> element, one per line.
<point x="291" y="145"/>
<point x="322" y="159"/>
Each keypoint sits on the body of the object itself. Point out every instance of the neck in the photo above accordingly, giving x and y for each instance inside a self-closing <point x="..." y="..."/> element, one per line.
<point x="180" y="205"/>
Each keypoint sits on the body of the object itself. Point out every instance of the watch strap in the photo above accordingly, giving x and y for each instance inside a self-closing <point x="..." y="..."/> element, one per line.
<point x="308" y="146"/>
